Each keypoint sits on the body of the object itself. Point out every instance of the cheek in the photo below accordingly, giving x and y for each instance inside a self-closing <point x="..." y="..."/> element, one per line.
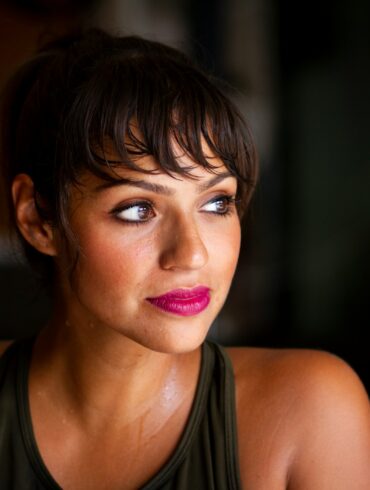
<point x="111" y="260"/>
<point x="224" y="250"/>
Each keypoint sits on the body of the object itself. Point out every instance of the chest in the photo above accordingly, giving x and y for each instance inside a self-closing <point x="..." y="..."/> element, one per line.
<point x="107" y="459"/>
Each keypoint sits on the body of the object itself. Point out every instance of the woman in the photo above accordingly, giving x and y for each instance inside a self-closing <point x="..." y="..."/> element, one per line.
<point x="128" y="173"/>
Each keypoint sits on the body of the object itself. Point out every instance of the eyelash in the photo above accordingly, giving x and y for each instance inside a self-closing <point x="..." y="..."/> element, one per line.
<point x="230" y="202"/>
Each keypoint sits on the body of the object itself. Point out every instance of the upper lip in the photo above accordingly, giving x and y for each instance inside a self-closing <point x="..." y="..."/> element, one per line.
<point x="184" y="293"/>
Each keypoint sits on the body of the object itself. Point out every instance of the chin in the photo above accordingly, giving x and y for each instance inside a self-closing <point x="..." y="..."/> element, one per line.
<point x="172" y="339"/>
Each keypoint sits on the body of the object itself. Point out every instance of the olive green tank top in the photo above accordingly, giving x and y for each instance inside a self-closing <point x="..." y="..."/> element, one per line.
<point x="206" y="457"/>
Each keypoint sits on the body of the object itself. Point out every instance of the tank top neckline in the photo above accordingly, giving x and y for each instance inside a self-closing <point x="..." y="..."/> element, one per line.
<point x="164" y="473"/>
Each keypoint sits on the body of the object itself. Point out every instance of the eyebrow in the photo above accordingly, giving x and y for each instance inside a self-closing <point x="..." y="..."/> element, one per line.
<point x="159" y="188"/>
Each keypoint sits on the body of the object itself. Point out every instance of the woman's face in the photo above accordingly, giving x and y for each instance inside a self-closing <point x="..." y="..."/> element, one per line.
<point x="157" y="255"/>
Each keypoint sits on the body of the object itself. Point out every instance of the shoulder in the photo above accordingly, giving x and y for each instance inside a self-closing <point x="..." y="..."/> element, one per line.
<point x="303" y="369"/>
<point x="4" y="344"/>
<point x="310" y="380"/>
<point x="310" y="409"/>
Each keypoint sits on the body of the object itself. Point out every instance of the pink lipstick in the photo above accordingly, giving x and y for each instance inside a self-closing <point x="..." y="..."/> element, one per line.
<point x="183" y="302"/>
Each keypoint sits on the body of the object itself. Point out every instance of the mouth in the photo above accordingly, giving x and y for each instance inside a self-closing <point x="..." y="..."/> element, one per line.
<point x="183" y="302"/>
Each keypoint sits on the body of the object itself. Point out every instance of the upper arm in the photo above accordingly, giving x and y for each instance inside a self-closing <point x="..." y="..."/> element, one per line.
<point x="333" y="443"/>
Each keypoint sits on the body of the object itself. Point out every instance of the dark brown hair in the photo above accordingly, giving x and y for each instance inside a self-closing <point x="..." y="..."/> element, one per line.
<point x="77" y="93"/>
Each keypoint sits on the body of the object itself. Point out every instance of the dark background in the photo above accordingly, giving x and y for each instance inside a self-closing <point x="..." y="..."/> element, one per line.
<point x="300" y="73"/>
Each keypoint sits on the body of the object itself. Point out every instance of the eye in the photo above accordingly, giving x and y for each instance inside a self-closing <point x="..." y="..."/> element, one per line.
<point x="138" y="212"/>
<point x="219" y="205"/>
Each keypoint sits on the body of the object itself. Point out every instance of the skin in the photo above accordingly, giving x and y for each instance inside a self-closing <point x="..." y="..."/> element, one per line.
<point x="112" y="376"/>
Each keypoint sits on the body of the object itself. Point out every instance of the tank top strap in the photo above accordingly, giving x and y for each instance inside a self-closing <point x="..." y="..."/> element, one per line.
<point x="227" y="389"/>
<point x="207" y="455"/>
<point x="189" y="435"/>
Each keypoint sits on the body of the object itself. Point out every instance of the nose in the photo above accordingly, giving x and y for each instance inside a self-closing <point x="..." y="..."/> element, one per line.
<point x="183" y="247"/>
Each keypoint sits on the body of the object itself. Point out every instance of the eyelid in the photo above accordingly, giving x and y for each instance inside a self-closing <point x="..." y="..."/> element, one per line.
<point x="231" y="197"/>
<point x="131" y="204"/>
<point x="221" y="190"/>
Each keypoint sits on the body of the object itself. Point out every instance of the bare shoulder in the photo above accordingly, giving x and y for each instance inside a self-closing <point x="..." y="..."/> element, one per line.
<point x="4" y="344"/>
<point x="310" y="380"/>
<point x="312" y="412"/>
<point x="304" y="369"/>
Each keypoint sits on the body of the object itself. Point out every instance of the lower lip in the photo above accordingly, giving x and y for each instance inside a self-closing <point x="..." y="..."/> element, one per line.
<point x="181" y="304"/>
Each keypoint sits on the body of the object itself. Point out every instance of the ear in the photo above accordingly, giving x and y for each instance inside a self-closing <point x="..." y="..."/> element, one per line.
<point x="34" y="229"/>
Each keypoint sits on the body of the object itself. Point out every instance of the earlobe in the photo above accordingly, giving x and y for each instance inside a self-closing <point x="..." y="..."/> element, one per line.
<point x="33" y="227"/>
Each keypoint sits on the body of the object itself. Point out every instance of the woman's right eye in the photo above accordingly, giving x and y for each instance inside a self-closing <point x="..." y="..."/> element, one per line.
<point x="138" y="212"/>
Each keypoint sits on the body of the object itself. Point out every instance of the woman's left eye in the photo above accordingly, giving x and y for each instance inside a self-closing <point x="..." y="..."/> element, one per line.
<point x="219" y="205"/>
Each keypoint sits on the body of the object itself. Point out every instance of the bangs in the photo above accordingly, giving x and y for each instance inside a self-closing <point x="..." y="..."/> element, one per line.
<point x="143" y="105"/>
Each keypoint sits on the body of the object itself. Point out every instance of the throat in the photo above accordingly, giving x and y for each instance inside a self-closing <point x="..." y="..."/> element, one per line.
<point x="97" y="391"/>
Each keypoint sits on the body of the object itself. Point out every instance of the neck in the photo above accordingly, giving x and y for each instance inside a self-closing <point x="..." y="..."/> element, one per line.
<point x="104" y="377"/>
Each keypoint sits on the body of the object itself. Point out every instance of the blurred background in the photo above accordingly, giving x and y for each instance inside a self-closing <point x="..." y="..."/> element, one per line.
<point x="301" y="75"/>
